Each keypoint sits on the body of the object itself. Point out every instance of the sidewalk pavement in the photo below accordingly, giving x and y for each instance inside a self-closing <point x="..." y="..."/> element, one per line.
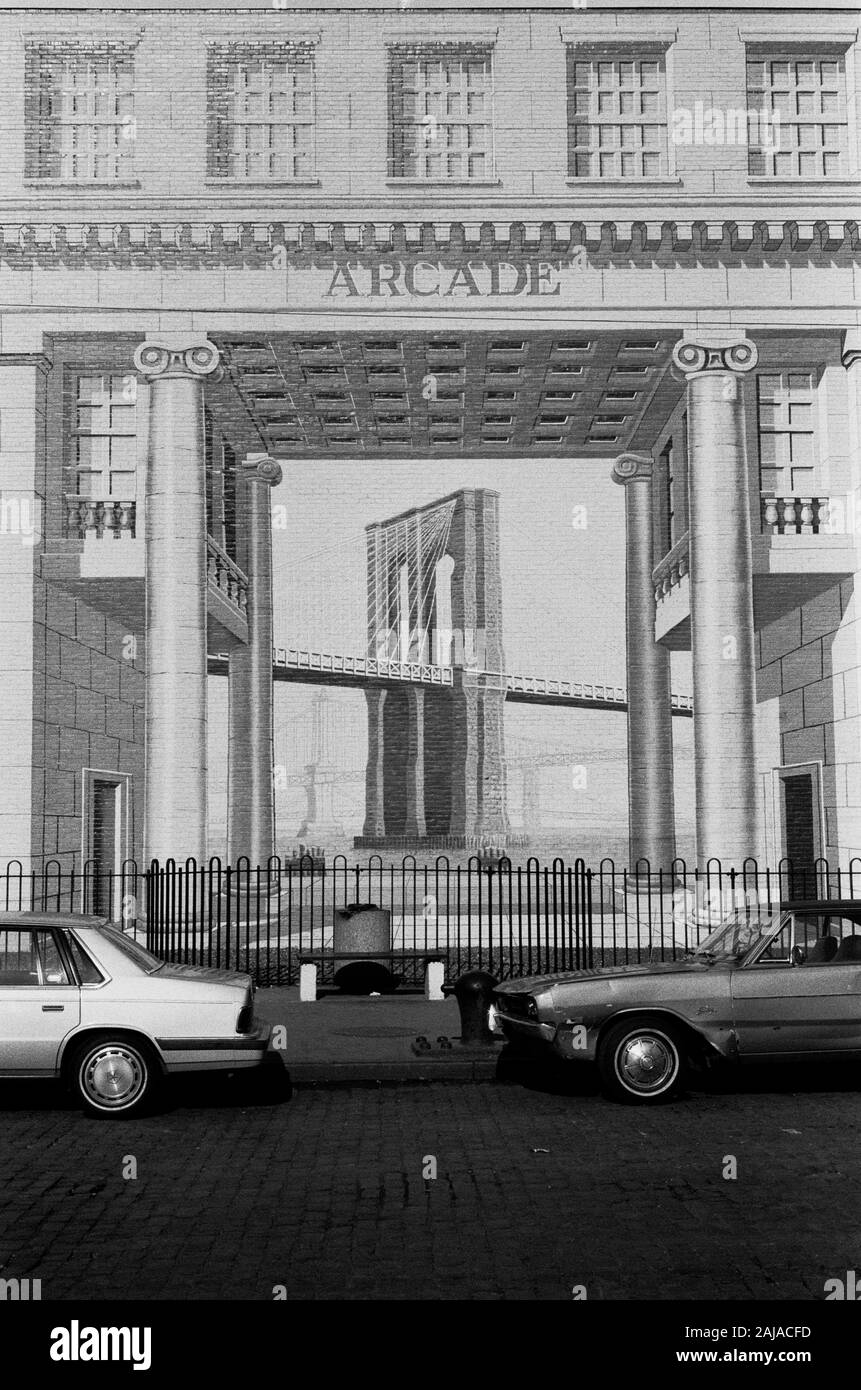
<point x="351" y="1038"/>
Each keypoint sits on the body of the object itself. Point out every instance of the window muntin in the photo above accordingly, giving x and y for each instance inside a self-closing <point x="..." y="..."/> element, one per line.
<point x="104" y="432"/>
<point x="803" y="101"/>
<point x="786" y="423"/>
<point x="262" y="120"/>
<point x="617" y="115"/>
<point x="80" y="119"/>
<point x="441" y="117"/>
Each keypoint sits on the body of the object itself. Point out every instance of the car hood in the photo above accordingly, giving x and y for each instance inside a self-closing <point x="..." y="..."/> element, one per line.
<point x="206" y="974"/>
<point x="533" y="984"/>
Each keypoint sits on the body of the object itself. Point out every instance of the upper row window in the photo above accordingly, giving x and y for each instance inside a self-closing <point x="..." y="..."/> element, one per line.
<point x="440" y="114"/>
<point x="80" y="122"/>
<point x="806" y="99"/>
<point x="617" y="126"/>
<point x="80" y="113"/>
<point x="261" y="112"/>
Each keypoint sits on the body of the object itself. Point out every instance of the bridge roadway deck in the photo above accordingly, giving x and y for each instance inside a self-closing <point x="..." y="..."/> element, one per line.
<point x="324" y="668"/>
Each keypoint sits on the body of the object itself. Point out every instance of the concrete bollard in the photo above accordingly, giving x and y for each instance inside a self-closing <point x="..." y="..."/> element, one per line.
<point x="307" y="983"/>
<point x="473" y="992"/>
<point x="434" y="976"/>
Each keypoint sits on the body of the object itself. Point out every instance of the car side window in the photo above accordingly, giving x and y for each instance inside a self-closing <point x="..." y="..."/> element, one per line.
<point x="31" y="958"/>
<point x="821" y="936"/>
<point x="801" y="930"/>
<point x="840" y="926"/>
<point x="779" y="949"/>
<point x="846" y="933"/>
<point x="88" y="972"/>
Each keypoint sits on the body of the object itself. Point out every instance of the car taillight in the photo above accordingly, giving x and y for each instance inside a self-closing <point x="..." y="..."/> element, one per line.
<point x="245" y="1020"/>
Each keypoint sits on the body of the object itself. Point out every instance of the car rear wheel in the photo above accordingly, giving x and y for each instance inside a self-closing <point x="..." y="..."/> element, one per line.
<point x="114" y="1077"/>
<point x="641" y="1062"/>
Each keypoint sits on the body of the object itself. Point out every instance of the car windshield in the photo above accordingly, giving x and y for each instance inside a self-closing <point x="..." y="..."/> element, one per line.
<point x="738" y="933"/>
<point x="130" y="948"/>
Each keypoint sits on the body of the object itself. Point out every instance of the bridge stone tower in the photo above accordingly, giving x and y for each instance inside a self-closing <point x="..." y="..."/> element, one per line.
<point x="436" y="773"/>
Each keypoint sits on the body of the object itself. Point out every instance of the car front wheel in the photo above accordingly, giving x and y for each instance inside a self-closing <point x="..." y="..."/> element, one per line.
<point x="641" y="1061"/>
<point x="114" y="1077"/>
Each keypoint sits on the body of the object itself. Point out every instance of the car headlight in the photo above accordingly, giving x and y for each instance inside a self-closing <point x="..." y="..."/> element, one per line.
<point x="517" y="1006"/>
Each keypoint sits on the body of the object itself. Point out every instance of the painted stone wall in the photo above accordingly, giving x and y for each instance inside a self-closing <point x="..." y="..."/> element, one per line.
<point x="88" y="714"/>
<point x="808" y="689"/>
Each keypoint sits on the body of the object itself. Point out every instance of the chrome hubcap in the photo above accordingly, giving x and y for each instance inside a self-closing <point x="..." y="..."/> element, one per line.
<point x="113" y="1077"/>
<point x="646" y="1062"/>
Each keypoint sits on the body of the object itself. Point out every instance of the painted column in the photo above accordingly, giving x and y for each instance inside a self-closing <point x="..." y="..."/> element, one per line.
<point x="250" y="797"/>
<point x="722" y="631"/>
<point x="650" y="720"/>
<point x="175" y="510"/>
<point x="415" y="763"/>
<point x="493" y="824"/>
<point x="845" y="518"/>
<point x="463" y="820"/>
<point x="24" y="814"/>
<point x="375" y="821"/>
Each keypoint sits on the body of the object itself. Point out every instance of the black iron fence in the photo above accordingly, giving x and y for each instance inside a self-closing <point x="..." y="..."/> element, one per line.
<point x="511" y="919"/>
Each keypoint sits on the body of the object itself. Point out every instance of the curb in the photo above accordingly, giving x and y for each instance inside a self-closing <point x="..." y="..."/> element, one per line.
<point x="436" y="1067"/>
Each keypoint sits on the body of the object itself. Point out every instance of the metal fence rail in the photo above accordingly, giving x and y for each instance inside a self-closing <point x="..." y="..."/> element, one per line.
<point x="509" y="919"/>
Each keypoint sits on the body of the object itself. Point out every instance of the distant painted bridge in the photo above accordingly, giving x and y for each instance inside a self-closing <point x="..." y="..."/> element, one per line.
<point x="331" y="668"/>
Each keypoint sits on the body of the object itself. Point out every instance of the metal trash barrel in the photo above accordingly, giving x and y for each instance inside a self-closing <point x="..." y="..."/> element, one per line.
<point x="363" y="927"/>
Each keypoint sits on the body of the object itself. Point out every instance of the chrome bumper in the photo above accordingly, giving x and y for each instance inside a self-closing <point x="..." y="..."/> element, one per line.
<point x="526" y="1028"/>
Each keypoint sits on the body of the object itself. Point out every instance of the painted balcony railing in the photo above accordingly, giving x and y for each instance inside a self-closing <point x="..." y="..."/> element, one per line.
<point x="672" y="569"/>
<point x="794" y="516"/>
<point x="99" y="516"/>
<point x="225" y="575"/>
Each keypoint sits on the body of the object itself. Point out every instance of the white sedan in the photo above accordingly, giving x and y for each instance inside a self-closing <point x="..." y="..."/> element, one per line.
<point x="81" y="1000"/>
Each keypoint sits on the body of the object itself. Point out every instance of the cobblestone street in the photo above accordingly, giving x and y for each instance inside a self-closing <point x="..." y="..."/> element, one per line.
<point x="535" y="1192"/>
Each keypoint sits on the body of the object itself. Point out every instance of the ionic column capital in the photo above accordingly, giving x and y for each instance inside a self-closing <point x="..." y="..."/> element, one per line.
<point x="632" y="468"/>
<point x="160" y="361"/>
<point x="697" y="354"/>
<point x="260" y="468"/>
<point x="851" y="352"/>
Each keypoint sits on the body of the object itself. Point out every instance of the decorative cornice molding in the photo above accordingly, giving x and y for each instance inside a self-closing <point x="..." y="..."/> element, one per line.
<point x="851" y="351"/>
<point x="40" y="360"/>
<point x="164" y="240"/>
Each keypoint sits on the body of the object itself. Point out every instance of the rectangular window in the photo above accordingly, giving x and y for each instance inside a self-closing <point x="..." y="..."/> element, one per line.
<point x="104" y="435"/>
<point x="31" y="958"/>
<point x="669" y="482"/>
<point x="798" y="122"/>
<point x="441" y="118"/>
<point x="229" y="495"/>
<point x="80" y="113"/>
<point x="785" y="415"/>
<point x="617" y="114"/>
<point x="261" y="112"/>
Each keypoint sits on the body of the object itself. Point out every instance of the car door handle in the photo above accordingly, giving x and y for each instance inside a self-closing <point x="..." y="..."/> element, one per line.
<point x="53" y="1008"/>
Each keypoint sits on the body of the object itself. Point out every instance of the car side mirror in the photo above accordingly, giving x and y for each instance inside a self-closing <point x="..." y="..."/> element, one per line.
<point x="54" y="978"/>
<point x="799" y="955"/>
